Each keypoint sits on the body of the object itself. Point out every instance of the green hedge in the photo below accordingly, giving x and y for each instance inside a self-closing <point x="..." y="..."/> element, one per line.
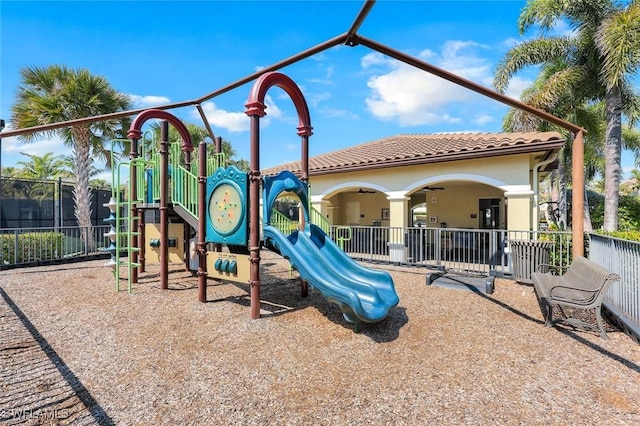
<point x="32" y="247"/>
<point x="623" y="235"/>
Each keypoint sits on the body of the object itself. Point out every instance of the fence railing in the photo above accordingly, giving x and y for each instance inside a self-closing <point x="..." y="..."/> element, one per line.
<point x="623" y="258"/>
<point x="474" y="251"/>
<point x="32" y="203"/>
<point x="29" y="246"/>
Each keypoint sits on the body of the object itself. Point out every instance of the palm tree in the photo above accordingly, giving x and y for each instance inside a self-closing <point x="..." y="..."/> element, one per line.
<point x="47" y="166"/>
<point x="57" y="93"/>
<point x="550" y="93"/>
<point x="68" y="164"/>
<point x="634" y="182"/>
<point x="11" y="172"/>
<point x="199" y="134"/>
<point x="600" y="57"/>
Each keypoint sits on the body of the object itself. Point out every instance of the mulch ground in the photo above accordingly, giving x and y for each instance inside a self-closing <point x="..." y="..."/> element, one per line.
<point x="75" y="351"/>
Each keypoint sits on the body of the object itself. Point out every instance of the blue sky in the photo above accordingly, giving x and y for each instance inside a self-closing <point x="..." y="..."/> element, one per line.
<point x="162" y="52"/>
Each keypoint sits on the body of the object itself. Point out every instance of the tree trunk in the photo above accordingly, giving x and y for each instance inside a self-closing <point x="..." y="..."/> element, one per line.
<point x="82" y="192"/>
<point x="613" y="150"/>
<point x="586" y="215"/>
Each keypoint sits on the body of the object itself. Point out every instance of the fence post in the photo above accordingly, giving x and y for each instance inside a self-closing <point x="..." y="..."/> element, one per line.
<point x="15" y="246"/>
<point x="59" y="207"/>
<point x="86" y="240"/>
<point x="493" y="253"/>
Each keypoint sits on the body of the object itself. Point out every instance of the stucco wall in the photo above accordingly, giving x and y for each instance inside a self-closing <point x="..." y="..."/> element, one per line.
<point x="496" y="171"/>
<point x="457" y="206"/>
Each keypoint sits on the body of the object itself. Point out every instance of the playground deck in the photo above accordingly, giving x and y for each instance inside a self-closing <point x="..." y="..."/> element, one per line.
<point x="73" y="351"/>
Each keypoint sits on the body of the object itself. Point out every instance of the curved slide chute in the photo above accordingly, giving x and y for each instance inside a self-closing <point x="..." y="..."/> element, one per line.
<point x="364" y="295"/>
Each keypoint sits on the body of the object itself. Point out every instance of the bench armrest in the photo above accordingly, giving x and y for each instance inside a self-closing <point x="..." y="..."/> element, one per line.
<point x="590" y="295"/>
<point x="540" y="267"/>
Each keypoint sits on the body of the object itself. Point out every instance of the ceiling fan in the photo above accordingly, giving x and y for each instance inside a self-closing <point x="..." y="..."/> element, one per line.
<point x="433" y="188"/>
<point x="364" y="191"/>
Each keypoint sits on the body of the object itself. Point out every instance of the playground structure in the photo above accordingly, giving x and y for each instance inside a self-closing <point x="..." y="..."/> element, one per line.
<point x="221" y="206"/>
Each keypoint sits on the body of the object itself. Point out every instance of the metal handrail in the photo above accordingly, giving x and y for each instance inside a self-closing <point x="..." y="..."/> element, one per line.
<point x="320" y="220"/>
<point x="282" y="223"/>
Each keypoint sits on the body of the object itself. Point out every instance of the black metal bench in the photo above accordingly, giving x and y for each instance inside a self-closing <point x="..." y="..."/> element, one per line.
<point x="582" y="286"/>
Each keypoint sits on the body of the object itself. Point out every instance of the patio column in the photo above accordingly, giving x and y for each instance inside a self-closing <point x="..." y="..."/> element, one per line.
<point x="398" y="220"/>
<point x="518" y="209"/>
<point x="323" y="206"/>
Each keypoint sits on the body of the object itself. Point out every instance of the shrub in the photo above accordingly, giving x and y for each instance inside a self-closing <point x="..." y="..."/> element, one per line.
<point x="628" y="212"/>
<point x="31" y="247"/>
<point x="623" y="235"/>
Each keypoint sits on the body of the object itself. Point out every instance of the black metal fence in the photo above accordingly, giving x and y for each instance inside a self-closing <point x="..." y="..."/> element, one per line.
<point x="29" y="203"/>
<point x="43" y="245"/>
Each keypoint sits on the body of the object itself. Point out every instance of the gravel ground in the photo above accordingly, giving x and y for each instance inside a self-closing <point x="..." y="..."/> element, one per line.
<point x="75" y="351"/>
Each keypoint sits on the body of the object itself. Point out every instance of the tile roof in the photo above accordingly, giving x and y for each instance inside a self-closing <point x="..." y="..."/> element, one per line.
<point x="412" y="149"/>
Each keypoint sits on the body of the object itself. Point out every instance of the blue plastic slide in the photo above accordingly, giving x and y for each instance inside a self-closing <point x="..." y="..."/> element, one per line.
<point x="364" y="295"/>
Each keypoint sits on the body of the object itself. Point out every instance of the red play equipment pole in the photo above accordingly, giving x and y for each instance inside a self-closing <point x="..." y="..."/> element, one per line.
<point x="256" y="109"/>
<point x="202" y="229"/>
<point x="164" y="200"/>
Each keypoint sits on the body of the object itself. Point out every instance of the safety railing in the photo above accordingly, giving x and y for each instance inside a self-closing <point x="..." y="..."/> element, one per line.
<point x="319" y="220"/>
<point x="623" y="258"/>
<point x="282" y="223"/>
<point x="286" y="225"/>
<point x="35" y="246"/>
<point x="184" y="183"/>
<point x="475" y="251"/>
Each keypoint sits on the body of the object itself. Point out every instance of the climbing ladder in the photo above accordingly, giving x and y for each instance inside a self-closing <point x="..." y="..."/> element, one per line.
<point x="183" y="192"/>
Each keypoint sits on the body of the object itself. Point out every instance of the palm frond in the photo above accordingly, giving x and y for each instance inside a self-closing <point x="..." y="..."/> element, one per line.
<point x="618" y="40"/>
<point x="533" y="52"/>
<point x="540" y="12"/>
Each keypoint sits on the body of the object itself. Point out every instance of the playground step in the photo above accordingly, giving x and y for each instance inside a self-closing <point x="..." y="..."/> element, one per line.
<point x="147" y="206"/>
<point x="186" y="215"/>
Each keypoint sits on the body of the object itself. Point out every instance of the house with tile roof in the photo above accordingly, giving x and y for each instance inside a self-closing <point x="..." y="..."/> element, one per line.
<point x="455" y="180"/>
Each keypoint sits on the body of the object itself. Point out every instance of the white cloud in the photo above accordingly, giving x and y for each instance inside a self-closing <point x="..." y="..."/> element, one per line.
<point x="272" y="109"/>
<point x="511" y="42"/>
<point x="38" y="147"/>
<point x="412" y="97"/>
<point x="338" y="113"/>
<point x="483" y="119"/>
<point x="426" y="54"/>
<point x="230" y="121"/>
<point x="12" y="147"/>
<point x="516" y="86"/>
<point x="148" y="100"/>
<point x="372" y="59"/>
<point x="314" y="98"/>
<point x="327" y="79"/>
<point x="237" y="121"/>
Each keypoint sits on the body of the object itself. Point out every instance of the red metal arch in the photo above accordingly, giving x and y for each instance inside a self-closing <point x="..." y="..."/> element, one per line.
<point x="256" y="109"/>
<point x="135" y="131"/>
<point x="255" y="104"/>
